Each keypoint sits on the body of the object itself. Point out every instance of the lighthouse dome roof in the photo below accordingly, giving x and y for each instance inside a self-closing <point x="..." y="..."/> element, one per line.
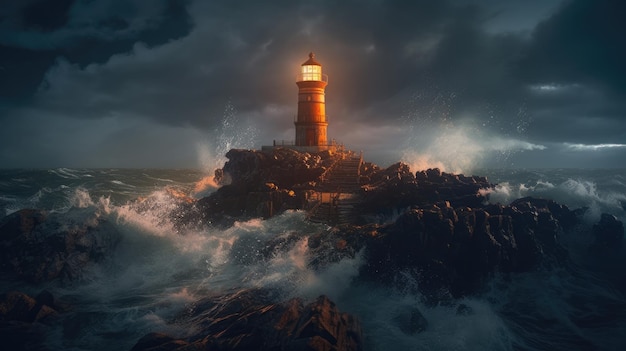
<point x="311" y="60"/>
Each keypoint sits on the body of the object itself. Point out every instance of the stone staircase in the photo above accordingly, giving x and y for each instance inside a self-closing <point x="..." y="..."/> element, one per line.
<point x="338" y="193"/>
<point x="343" y="177"/>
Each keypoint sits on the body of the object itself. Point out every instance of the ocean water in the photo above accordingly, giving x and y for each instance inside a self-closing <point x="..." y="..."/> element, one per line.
<point x="157" y="269"/>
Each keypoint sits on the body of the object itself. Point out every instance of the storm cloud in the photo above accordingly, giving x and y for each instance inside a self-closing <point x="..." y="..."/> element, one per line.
<point x="112" y="83"/>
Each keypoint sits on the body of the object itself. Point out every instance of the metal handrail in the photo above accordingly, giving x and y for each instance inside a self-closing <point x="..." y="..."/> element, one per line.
<point x="284" y="143"/>
<point x="340" y="147"/>
<point x="323" y="175"/>
<point x="300" y="77"/>
<point x="358" y="172"/>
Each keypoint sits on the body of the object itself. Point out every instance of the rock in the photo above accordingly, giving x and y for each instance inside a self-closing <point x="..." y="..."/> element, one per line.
<point x="18" y="306"/>
<point x="389" y="189"/>
<point x="256" y="184"/>
<point x="259" y="184"/>
<point x="567" y="219"/>
<point x="37" y="247"/>
<point x="322" y="327"/>
<point x="456" y="249"/>
<point x="250" y="320"/>
<point x="283" y="167"/>
<point x="434" y="174"/>
<point x="340" y="242"/>
<point x="395" y="188"/>
<point x="24" y="320"/>
<point x="219" y="177"/>
<point x="22" y="222"/>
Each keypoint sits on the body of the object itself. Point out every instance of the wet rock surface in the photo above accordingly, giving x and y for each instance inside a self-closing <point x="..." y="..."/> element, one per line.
<point x="251" y="320"/>
<point x="36" y="246"/>
<point x="260" y="184"/>
<point x="455" y="249"/>
<point x="396" y="187"/>
<point x="24" y="319"/>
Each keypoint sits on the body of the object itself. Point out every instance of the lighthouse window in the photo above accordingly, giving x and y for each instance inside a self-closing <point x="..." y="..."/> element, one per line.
<point x="311" y="72"/>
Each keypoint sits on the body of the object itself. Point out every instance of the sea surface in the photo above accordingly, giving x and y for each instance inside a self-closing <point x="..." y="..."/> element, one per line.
<point x="158" y="270"/>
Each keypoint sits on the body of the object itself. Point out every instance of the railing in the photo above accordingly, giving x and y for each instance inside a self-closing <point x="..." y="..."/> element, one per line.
<point x="358" y="173"/>
<point x="284" y="143"/>
<point x="322" y="177"/>
<point x="339" y="147"/>
<point x="312" y="211"/>
<point x="333" y="198"/>
<point x="311" y="77"/>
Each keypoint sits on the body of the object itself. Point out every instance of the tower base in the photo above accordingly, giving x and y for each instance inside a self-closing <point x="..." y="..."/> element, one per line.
<point x="334" y="146"/>
<point x="308" y="149"/>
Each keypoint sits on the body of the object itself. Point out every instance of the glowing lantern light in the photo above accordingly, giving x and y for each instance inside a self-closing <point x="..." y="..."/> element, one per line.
<point x="312" y="70"/>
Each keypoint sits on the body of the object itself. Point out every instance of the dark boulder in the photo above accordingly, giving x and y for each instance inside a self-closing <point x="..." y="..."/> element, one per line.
<point x="36" y="246"/>
<point x="567" y="218"/>
<point x="337" y="243"/>
<point x="388" y="190"/>
<point x="17" y="306"/>
<point x="396" y="188"/>
<point x="457" y="249"/>
<point x="251" y="320"/>
<point x="282" y="166"/>
<point x="24" y="320"/>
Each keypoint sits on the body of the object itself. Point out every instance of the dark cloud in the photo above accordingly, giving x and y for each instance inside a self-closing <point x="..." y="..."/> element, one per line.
<point x="582" y="43"/>
<point x="34" y="34"/>
<point x="524" y="74"/>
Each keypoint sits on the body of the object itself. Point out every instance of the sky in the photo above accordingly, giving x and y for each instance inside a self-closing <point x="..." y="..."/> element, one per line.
<point x="457" y="84"/>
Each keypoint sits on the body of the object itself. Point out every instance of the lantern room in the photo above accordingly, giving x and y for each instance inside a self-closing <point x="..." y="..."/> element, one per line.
<point x="311" y="70"/>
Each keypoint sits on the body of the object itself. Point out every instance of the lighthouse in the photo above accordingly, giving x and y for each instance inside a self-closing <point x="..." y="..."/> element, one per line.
<point x="311" y="123"/>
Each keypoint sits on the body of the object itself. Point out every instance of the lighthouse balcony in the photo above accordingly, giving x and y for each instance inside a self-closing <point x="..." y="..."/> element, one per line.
<point x="333" y="145"/>
<point x="312" y="76"/>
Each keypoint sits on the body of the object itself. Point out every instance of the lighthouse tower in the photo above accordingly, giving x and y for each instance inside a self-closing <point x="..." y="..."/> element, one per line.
<point x="311" y="121"/>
